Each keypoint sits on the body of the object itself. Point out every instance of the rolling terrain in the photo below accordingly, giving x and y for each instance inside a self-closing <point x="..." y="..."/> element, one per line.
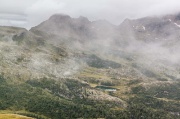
<point x="75" y="68"/>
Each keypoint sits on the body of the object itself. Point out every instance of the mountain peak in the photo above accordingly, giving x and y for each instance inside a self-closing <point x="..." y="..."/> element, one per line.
<point x="83" y="18"/>
<point x="59" y="17"/>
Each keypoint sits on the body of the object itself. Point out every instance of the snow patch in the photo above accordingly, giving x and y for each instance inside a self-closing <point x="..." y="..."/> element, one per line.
<point x="170" y="20"/>
<point x="177" y="24"/>
<point x="140" y="27"/>
<point x="144" y="27"/>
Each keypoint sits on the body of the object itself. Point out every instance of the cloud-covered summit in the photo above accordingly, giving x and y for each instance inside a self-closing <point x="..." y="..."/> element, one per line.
<point x="28" y="13"/>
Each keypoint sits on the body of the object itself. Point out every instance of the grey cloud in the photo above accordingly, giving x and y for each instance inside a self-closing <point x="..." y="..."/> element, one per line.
<point x="9" y="19"/>
<point x="17" y="17"/>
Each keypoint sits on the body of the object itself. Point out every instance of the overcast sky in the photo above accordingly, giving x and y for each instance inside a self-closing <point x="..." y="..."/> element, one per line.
<point x="28" y="13"/>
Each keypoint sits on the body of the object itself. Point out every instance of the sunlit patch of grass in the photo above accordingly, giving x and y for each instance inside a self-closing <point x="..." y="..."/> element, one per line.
<point x="123" y="92"/>
<point x="93" y="73"/>
<point x="13" y="116"/>
<point x="22" y="114"/>
<point x="94" y="76"/>
<point x="168" y="100"/>
<point x="124" y="89"/>
<point x="117" y="109"/>
<point x="93" y="85"/>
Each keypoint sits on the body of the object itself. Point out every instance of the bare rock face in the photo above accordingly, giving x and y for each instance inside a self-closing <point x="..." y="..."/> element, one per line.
<point x="100" y="96"/>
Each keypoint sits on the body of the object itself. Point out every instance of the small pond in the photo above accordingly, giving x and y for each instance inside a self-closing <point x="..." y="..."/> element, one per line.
<point x="106" y="88"/>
